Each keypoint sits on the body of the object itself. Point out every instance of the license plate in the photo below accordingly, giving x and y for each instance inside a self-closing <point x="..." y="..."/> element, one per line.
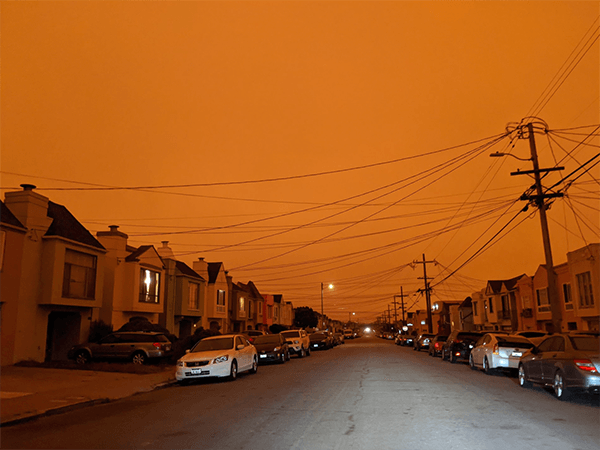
<point x="519" y="354"/>
<point x="199" y="371"/>
<point x="315" y="345"/>
<point x="263" y="356"/>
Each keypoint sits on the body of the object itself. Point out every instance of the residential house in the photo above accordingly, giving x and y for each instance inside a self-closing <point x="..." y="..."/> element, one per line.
<point x="184" y="295"/>
<point x="495" y="307"/>
<point x="216" y="303"/>
<point x="584" y="293"/>
<point x="246" y="303"/>
<point x="465" y="315"/>
<point x="268" y="308"/>
<point x="133" y="280"/>
<point x="287" y="314"/>
<point x="51" y="278"/>
<point x="444" y="317"/>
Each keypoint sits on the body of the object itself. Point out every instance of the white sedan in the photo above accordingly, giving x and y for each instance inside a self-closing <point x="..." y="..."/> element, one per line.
<point x="218" y="356"/>
<point x="498" y="351"/>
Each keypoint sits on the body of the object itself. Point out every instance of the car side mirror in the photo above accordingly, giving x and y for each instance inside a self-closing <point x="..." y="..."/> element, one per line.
<point x="240" y="347"/>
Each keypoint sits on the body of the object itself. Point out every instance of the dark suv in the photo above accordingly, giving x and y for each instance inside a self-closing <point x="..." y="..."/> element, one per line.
<point x="135" y="346"/>
<point x="459" y="345"/>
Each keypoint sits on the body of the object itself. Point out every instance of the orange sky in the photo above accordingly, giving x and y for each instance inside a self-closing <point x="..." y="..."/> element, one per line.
<point x="169" y="93"/>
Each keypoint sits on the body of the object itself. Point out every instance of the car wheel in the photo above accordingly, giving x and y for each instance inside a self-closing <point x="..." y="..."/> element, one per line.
<point x="82" y="357"/>
<point x="451" y="358"/>
<point x="472" y="362"/>
<point x="281" y="358"/>
<point x="254" y="368"/>
<point x="287" y="355"/>
<point x="138" y="358"/>
<point x="522" y="378"/>
<point x="486" y="366"/>
<point x="560" y="387"/>
<point x="233" y="371"/>
<point x="302" y="353"/>
<point x="308" y="351"/>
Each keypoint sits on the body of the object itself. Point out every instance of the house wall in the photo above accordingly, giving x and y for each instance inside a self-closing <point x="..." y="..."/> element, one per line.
<point x="580" y="261"/>
<point x="10" y="280"/>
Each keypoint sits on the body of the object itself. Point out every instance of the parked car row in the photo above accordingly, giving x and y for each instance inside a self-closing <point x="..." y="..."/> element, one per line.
<point x="227" y="355"/>
<point x="563" y="362"/>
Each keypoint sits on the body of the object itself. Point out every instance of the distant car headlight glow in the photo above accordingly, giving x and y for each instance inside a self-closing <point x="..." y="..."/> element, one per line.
<point x="276" y="349"/>
<point x="221" y="359"/>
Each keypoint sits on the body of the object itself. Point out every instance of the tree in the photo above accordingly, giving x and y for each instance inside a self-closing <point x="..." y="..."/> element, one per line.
<point x="305" y="317"/>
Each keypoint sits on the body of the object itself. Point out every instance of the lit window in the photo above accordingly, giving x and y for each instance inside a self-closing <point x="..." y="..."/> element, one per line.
<point x="221" y="301"/>
<point x="149" y="286"/>
<point x="79" y="277"/>
<point x="567" y="296"/>
<point x="242" y="307"/>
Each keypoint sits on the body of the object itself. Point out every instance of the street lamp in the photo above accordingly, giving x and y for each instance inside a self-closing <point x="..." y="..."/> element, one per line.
<point x="330" y="286"/>
<point x="350" y="315"/>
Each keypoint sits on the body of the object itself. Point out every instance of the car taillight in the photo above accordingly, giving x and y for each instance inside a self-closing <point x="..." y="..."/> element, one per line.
<point x="437" y="345"/>
<point x="457" y="354"/>
<point x="157" y="345"/>
<point x="585" y="364"/>
<point x="495" y="351"/>
<point x="457" y="341"/>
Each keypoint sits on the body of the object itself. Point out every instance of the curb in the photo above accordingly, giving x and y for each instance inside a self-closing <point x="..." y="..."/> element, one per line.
<point x="80" y="405"/>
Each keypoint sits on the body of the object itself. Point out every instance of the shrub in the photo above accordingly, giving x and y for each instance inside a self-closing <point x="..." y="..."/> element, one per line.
<point x="138" y="323"/>
<point x="99" y="329"/>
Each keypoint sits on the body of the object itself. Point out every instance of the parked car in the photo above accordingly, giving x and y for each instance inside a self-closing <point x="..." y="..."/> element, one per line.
<point x="565" y="362"/>
<point x="435" y="346"/>
<point x="423" y="341"/>
<point x="272" y="347"/>
<point x="534" y="336"/>
<point x="320" y="341"/>
<point x="253" y="334"/>
<point x="459" y="345"/>
<point x="348" y="334"/>
<point x="298" y="342"/>
<point x="135" y="346"/>
<point x="217" y="356"/>
<point x="338" y="338"/>
<point x="496" y="351"/>
<point x="405" y="339"/>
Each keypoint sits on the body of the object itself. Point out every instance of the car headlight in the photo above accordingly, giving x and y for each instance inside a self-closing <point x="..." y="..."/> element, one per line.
<point x="180" y="363"/>
<point x="221" y="359"/>
<point x="296" y="342"/>
<point x="276" y="349"/>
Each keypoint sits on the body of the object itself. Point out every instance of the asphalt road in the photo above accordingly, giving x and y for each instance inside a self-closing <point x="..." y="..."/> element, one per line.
<point x="365" y="394"/>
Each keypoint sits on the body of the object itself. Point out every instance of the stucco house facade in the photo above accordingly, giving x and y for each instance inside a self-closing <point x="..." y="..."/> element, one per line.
<point x="49" y="304"/>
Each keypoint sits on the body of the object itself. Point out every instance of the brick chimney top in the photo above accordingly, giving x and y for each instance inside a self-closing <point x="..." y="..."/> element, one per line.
<point x="113" y="227"/>
<point x="28" y="187"/>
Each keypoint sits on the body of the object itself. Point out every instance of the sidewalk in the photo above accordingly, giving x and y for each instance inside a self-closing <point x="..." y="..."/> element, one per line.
<point x="28" y="392"/>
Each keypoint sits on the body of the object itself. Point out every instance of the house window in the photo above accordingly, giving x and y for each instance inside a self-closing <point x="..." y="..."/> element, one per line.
<point x="542" y="300"/>
<point x="586" y="296"/>
<point x="475" y="309"/>
<point x="221" y="301"/>
<point x="194" y="296"/>
<point x="260" y="309"/>
<point x="567" y="296"/>
<point x="269" y="312"/>
<point x="79" y="277"/>
<point x="491" y="304"/>
<point x="242" y="307"/>
<point x="276" y="313"/>
<point x="249" y="308"/>
<point x="149" y="286"/>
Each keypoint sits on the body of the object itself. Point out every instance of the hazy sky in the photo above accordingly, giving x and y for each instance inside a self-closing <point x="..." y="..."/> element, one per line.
<point x="204" y="95"/>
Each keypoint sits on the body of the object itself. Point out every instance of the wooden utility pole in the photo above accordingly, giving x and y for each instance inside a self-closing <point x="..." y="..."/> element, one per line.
<point x="401" y="303"/>
<point x="538" y="200"/>
<point x="427" y="289"/>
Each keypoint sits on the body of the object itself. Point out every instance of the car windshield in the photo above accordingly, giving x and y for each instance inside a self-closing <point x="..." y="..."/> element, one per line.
<point x="532" y="334"/>
<point x="586" y="343"/>
<point x="267" y="339"/>
<point x="290" y="334"/>
<point x="316" y="336"/>
<point x="208" y="345"/>
<point x="514" y="343"/>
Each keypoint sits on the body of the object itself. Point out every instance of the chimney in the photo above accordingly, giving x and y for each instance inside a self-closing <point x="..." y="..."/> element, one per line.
<point x="201" y="268"/>
<point x="29" y="207"/>
<point x="165" y="251"/>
